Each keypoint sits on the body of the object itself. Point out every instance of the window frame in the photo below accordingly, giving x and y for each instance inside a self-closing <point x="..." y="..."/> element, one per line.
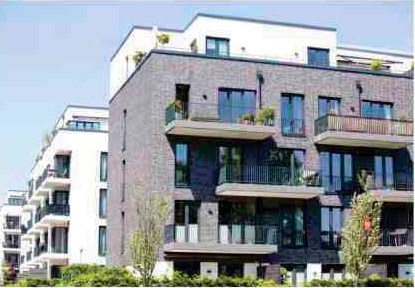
<point x="391" y="104"/>
<point x="102" y="177"/>
<point x="331" y="231"/>
<point x="103" y="208"/>
<point x="329" y="98"/>
<point x="216" y="39"/>
<point x="319" y="49"/>
<point x="187" y="169"/>
<point x="102" y="246"/>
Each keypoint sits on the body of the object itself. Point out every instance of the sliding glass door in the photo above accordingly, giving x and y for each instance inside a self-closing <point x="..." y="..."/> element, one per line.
<point x="233" y="104"/>
<point x="292" y="111"/>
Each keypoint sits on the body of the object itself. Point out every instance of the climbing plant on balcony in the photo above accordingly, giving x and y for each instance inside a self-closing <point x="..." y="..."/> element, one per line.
<point x="362" y="231"/>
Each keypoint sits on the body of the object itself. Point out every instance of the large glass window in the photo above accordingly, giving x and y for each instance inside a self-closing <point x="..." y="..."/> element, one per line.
<point x="376" y="110"/>
<point x="188" y="268"/>
<point x="186" y="221"/>
<point x="62" y="166"/>
<point x="231" y="270"/>
<point x="336" y="171"/>
<point x="217" y="46"/>
<point x="292" y="226"/>
<point x="182" y="165"/>
<point x="60" y="240"/>
<point x="318" y="56"/>
<point x="234" y="103"/>
<point x="292" y="111"/>
<point x="328" y="106"/>
<point x="104" y="167"/>
<point x="15" y="201"/>
<point x="102" y="241"/>
<point x="103" y="203"/>
<point x="230" y="163"/>
<point x="331" y="226"/>
<point x="290" y="165"/>
<point x="383" y="170"/>
<point x="61" y="198"/>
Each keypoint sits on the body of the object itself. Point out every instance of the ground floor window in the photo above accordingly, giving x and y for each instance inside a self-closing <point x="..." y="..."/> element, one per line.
<point x="189" y="268"/>
<point x="231" y="269"/>
<point x="332" y="272"/>
<point x="296" y="273"/>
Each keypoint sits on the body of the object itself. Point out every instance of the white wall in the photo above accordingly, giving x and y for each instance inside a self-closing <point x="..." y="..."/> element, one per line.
<point x="209" y="269"/>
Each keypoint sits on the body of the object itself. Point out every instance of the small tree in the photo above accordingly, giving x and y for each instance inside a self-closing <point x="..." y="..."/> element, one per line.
<point x="47" y="139"/>
<point x="362" y="232"/>
<point x="152" y="214"/>
<point x="376" y="64"/>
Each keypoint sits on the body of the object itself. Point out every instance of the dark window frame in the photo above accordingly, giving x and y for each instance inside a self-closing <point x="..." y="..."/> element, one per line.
<point x="329" y="98"/>
<point x="187" y="169"/>
<point x="102" y="247"/>
<point x="103" y="176"/>
<point x="216" y="52"/>
<point x="330" y="233"/>
<point x="103" y="209"/>
<point x="311" y="48"/>
<point x="291" y="97"/>
<point x="292" y="210"/>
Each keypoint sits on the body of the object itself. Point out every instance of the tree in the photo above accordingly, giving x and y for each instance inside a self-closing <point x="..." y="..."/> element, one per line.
<point x="152" y="214"/>
<point x="362" y="232"/>
<point x="376" y="64"/>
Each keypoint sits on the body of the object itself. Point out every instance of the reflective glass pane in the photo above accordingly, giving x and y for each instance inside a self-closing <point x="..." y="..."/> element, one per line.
<point x="378" y="172"/>
<point x="389" y="171"/>
<point x="325" y="219"/>
<point x="322" y="107"/>
<point x="336" y="171"/>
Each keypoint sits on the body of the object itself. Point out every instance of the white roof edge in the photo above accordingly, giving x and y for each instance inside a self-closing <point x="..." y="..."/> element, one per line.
<point x="376" y="50"/>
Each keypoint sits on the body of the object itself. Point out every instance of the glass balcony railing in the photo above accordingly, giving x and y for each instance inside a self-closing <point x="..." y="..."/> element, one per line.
<point x="246" y="114"/>
<point x="342" y="123"/>
<point x="62" y="210"/>
<point x="55" y="173"/>
<point x="397" y="237"/>
<point x="272" y="175"/>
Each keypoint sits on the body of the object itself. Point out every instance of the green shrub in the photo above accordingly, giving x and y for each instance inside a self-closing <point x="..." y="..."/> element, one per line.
<point x="376" y="64"/>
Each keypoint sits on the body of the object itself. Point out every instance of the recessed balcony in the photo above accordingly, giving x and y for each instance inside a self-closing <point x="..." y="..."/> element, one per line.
<point x="396" y="242"/>
<point x="55" y="214"/>
<point x="218" y="121"/>
<point x="356" y="131"/>
<point x="268" y="181"/>
<point x="56" y="179"/>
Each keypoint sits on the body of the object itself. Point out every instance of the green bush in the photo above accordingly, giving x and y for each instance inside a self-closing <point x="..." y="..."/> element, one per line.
<point x="36" y="283"/>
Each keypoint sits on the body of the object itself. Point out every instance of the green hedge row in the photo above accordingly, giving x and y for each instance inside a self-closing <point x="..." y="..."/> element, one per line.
<point x="98" y="276"/>
<point x="369" y="282"/>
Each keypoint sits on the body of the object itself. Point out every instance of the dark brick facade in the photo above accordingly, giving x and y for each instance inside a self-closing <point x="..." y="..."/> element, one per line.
<point x="149" y="153"/>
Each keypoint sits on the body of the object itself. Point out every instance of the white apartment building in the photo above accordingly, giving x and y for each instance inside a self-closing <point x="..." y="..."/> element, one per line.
<point x="264" y="40"/>
<point x="64" y="214"/>
<point x="10" y="219"/>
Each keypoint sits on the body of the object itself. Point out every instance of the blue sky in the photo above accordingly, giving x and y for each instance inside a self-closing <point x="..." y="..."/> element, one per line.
<point x="53" y="54"/>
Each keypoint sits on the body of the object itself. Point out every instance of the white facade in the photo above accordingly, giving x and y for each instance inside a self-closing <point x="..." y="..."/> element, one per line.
<point x="80" y="136"/>
<point x="10" y="220"/>
<point x="250" y="38"/>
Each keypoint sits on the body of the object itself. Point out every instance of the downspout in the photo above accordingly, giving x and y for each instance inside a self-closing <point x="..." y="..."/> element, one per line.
<point x="360" y="91"/>
<point x="260" y="78"/>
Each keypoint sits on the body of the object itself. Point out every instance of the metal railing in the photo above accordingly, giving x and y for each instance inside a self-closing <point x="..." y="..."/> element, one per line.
<point x="266" y="174"/>
<point x="217" y="112"/>
<point x="294" y="127"/>
<point x="331" y="239"/>
<point x="10" y="244"/>
<point x="358" y="124"/>
<point x="397" y="237"/>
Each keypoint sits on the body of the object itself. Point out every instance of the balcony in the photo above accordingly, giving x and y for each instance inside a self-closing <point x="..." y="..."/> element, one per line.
<point x="11" y="245"/>
<point x="51" y="179"/>
<point x="400" y="188"/>
<point x="268" y="181"/>
<point x="53" y="214"/>
<point x="356" y="131"/>
<point x="396" y="242"/>
<point x="218" y="121"/>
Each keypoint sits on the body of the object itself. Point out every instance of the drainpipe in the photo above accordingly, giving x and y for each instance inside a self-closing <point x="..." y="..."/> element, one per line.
<point x="360" y="91"/>
<point x="260" y="78"/>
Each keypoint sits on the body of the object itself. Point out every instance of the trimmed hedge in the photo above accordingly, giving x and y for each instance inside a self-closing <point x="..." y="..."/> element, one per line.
<point x="368" y="282"/>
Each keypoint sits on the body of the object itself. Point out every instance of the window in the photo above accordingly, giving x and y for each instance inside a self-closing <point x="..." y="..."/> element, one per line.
<point x="376" y="110"/>
<point x="296" y="273"/>
<point x="12" y="222"/>
<point x="60" y="240"/>
<point x="84" y="125"/>
<point x="182" y="165"/>
<point x="328" y="106"/>
<point x="235" y="103"/>
<point x="331" y="226"/>
<point x="292" y="111"/>
<point x="289" y="165"/>
<point x="61" y="198"/>
<point x="15" y="201"/>
<point x="124" y="129"/>
<point x="292" y="226"/>
<point x="217" y="46"/>
<point x="336" y="171"/>
<point x="122" y="188"/>
<point x="102" y="241"/>
<point x="383" y="170"/>
<point x="186" y="214"/>
<point x="230" y="162"/>
<point x="103" y="203"/>
<point x="122" y="248"/>
<point x="332" y="271"/>
<point x="104" y="167"/>
<point x="319" y="57"/>
<point x="189" y="268"/>
<point x="231" y="270"/>
<point x="62" y="166"/>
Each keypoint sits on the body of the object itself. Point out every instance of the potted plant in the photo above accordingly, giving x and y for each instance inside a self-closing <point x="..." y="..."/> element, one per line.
<point x="138" y="56"/>
<point x="247" y="119"/>
<point x="178" y="108"/>
<point x="163" y="39"/>
<point x="266" y="116"/>
<point x="376" y="64"/>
